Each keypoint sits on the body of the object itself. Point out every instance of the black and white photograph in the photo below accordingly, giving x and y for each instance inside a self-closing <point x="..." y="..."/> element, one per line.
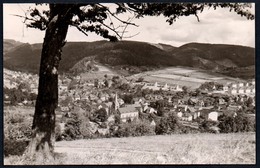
<point x="129" y="83"/>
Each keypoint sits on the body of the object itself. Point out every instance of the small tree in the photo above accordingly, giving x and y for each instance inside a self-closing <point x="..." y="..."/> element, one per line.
<point x="173" y="122"/>
<point x="162" y="127"/>
<point x="161" y="112"/>
<point x="102" y="114"/>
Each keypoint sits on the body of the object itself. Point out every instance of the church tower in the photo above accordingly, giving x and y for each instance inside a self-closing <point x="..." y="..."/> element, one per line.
<point x="116" y="103"/>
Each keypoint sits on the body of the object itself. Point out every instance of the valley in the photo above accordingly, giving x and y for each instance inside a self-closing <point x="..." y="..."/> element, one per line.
<point x="129" y="98"/>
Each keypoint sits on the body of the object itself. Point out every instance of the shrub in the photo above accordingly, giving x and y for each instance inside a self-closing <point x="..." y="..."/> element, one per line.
<point x="207" y="126"/>
<point x="134" y="128"/>
<point x="162" y="127"/>
<point x="76" y="127"/>
<point x="188" y="130"/>
<point x="102" y="114"/>
<point x="17" y="132"/>
<point x="14" y="147"/>
<point x="240" y="123"/>
<point x="173" y="122"/>
<point x="167" y="125"/>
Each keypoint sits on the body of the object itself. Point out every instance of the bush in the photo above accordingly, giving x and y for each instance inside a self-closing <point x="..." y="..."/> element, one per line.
<point x="207" y="126"/>
<point x="173" y="122"/>
<point x="76" y="127"/>
<point x="167" y="125"/>
<point x="18" y="131"/>
<point x="162" y="127"/>
<point x="101" y="114"/>
<point x="188" y="130"/>
<point x="134" y="128"/>
<point x="15" y="147"/>
<point x="240" y="123"/>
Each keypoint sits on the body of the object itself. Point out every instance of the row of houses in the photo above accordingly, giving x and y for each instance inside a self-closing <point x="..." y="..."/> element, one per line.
<point x="155" y="87"/>
<point x="240" y="88"/>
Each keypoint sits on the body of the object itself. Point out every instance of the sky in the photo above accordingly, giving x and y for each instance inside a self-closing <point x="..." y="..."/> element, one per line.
<point x="216" y="27"/>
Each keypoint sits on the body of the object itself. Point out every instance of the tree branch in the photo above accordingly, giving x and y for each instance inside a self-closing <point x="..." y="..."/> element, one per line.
<point x="111" y="29"/>
<point x="81" y="30"/>
<point x="122" y="21"/>
<point x="197" y="17"/>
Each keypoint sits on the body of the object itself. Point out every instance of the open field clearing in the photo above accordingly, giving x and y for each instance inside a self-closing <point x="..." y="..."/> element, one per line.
<point x="176" y="77"/>
<point x="169" y="149"/>
<point x="184" y="76"/>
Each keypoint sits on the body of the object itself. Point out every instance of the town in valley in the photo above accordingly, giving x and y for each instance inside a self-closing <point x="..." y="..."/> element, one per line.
<point x="113" y="99"/>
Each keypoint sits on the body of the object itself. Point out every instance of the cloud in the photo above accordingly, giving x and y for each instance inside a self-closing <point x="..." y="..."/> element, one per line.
<point x="215" y="26"/>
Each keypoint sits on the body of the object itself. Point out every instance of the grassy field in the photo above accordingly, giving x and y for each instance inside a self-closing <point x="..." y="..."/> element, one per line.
<point x="184" y="76"/>
<point x="169" y="149"/>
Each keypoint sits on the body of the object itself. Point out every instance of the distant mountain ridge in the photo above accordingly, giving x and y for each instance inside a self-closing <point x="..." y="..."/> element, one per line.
<point x="216" y="57"/>
<point x="10" y="44"/>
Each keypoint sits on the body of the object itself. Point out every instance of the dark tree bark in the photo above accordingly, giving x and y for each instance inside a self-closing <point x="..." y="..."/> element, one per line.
<point x="42" y="144"/>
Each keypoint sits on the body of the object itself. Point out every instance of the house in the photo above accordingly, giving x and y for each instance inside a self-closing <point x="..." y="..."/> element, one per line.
<point x="233" y="108"/>
<point x="225" y="88"/>
<point x="186" y="117"/>
<point x="176" y="88"/>
<point x="233" y="91"/>
<point x="253" y="90"/>
<point x="195" y="115"/>
<point x="179" y="114"/>
<point x="210" y="114"/>
<point x="200" y="103"/>
<point x="151" y="86"/>
<point x="128" y="112"/>
<point x="213" y="116"/>
<point x="150" y="110"/>
<point x="234" y="85"/>
<point x="253" y="82"/>
<point x="25" y="102"/>
<point x="120" y="101"/>
<point x="165" y="87"/>
<point x="248" y="90"/>
<point x="221" y="101"/>
<point x="240" y="84"/>
<point x="240" y="90"/>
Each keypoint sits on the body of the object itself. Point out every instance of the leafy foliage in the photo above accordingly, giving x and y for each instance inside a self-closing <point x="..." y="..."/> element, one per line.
<point x="101" y="114"/>
<point x="134" y="128"/>
<point x="239" y="123"/>
<point x="76" y="126"/>
<point x="167" y="125"/>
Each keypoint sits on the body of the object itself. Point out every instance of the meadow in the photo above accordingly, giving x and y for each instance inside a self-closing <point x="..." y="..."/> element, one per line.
<point x="184" y="76"/>
<point x="200" y="148"/>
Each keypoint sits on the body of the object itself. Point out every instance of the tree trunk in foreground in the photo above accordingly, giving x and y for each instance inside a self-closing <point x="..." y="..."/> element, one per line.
<point x="41" y="146"/>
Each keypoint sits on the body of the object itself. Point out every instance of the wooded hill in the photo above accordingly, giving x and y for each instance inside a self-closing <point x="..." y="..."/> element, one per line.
<point x="217" y="57"/>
